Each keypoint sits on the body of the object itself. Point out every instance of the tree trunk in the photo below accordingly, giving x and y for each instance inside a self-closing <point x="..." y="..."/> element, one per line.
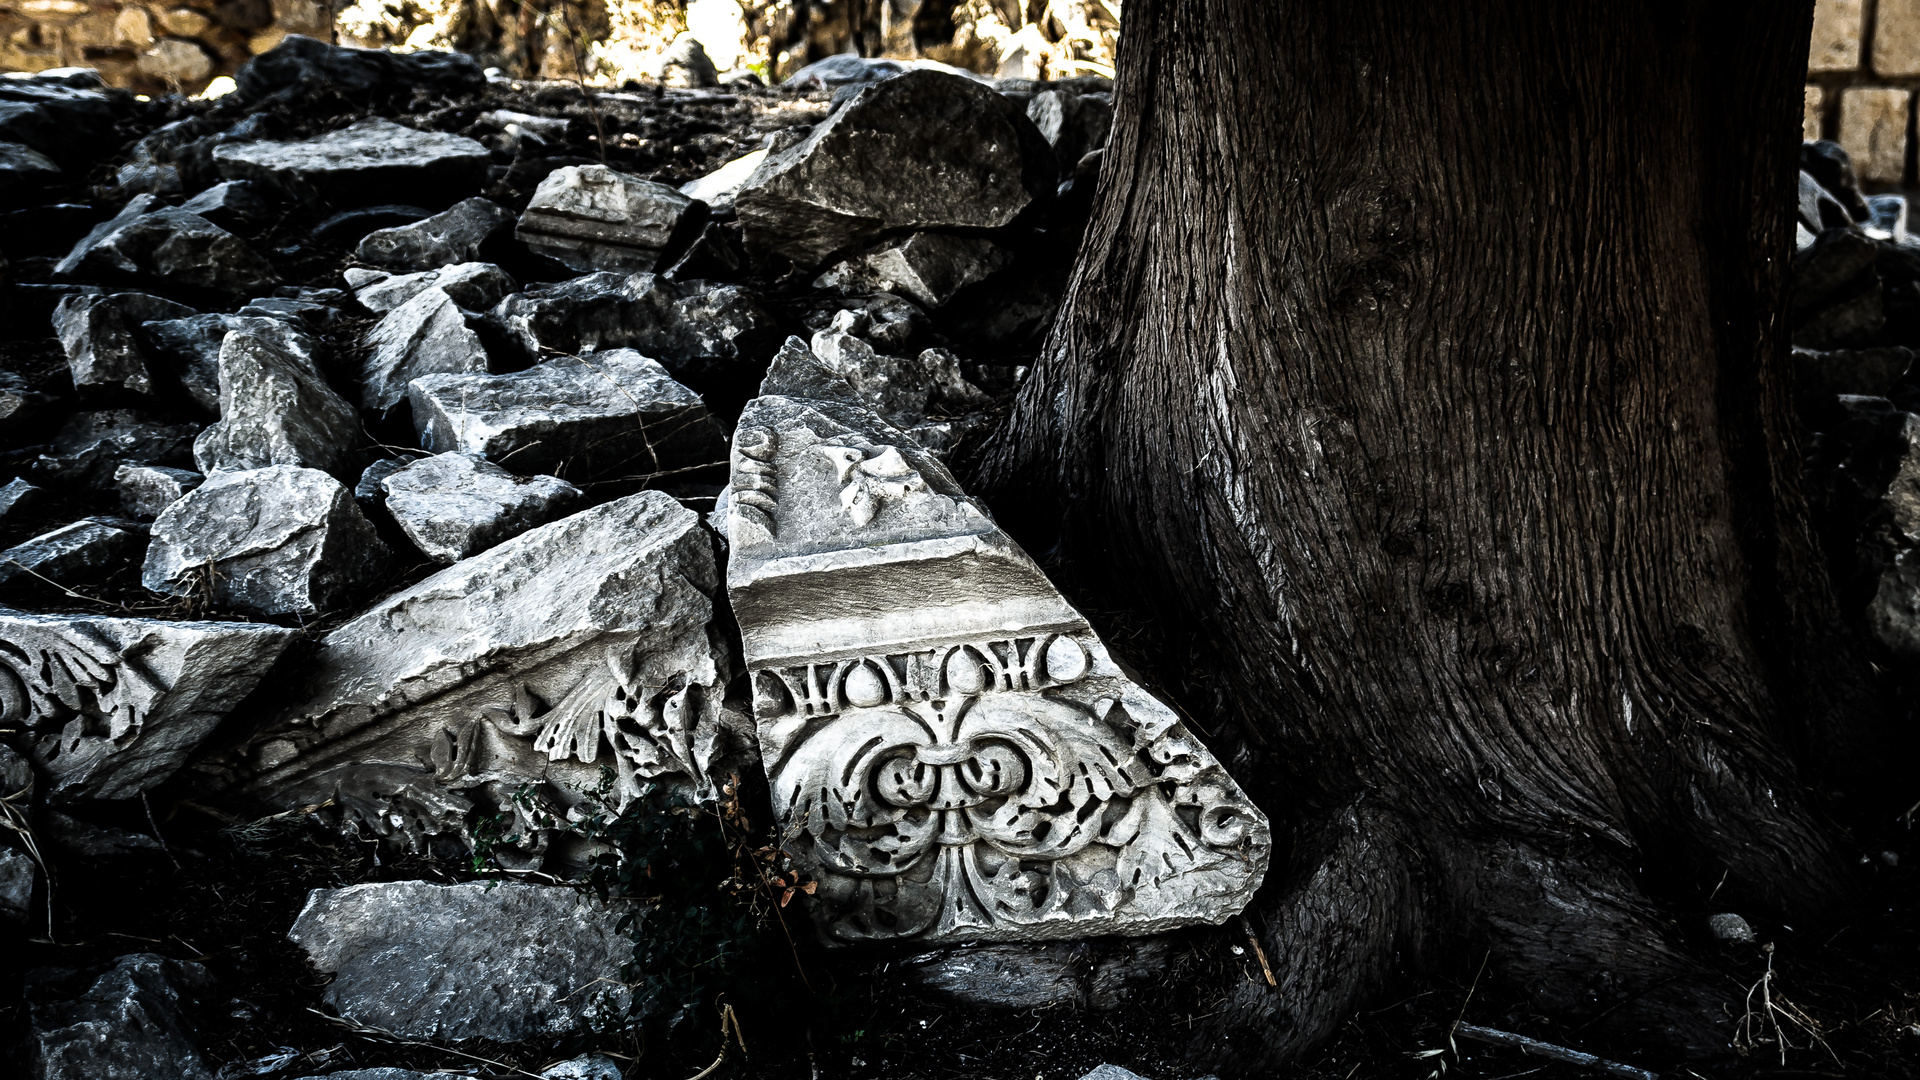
<point x="1424" y="372"/>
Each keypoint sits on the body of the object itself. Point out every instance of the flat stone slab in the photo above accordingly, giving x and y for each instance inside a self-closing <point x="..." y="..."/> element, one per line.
<point x="951" y="747"/>
<point x="503" y="961"/>
<point x="578" y="646"/>
<point x="361" y="164"/>
<point x="456" y="505"/>
<point x="590" y="218"/>
<point x="115" y="705"/>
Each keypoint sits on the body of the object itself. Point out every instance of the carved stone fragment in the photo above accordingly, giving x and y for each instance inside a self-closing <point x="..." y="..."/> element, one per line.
<point x="573" y="649"/>
<point x="949" y="745"/>
<point x="115" y="705"/>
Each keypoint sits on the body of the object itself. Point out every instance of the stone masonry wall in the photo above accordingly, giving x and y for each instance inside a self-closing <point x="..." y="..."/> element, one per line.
<point x="151" y="45"/>
<point x="1863" y="68"/>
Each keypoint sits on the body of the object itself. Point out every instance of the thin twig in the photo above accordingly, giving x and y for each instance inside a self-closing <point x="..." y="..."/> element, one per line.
<point x="1552" y="1052"/>
<point x="368" y="1031"/>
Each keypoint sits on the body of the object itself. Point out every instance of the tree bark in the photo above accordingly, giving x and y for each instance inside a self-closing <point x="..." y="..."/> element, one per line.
<point x="1424" y="369"/>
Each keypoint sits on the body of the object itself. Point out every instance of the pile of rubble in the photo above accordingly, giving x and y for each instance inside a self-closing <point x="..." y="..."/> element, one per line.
<point x="464" y="457"/>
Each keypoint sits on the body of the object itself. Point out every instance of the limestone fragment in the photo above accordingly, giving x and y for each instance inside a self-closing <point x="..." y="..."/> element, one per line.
<point x="130" y="1024"/>
<point x="455" y="505"/>
<point x="578" y="646"/>
<point x="146" y="490"/>
<point x="692" y="327"/>
<point x="511" y="961"/>
<point x="360" y="164"/>
<point x="166" y="244"/>
<point x="427" y="335"/>
<point x="952" y="747"/>
<point x="17" y="497"/>
<point x="100" y="336"/>
<point x="277" y="409"/>
<point x="190" y="349"/>
<point x="282" y="540"/>
<point x="455" y="235"/>
<point x="592" y="218"/>
<point x="91" y="447"/>
<point x="718" y="187"/>
<point x="474" y="286"/>
<point x="925" y="267"/>
<point x="114" y="705"/>
<point x="592" y="416"/>
<point x="75" y="554"/>
<point x="24" y="169"/>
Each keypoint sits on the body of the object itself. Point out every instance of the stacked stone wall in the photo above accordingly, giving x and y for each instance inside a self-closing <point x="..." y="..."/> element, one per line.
<point x="1863" y="69"/>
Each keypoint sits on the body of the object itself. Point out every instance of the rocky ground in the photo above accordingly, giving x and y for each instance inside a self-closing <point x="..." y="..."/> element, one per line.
<point x="367" y="443"/>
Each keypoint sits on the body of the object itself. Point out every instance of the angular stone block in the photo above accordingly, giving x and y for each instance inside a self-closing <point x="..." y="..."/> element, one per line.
<point x="927" y="268"/>
<point x="166" y="244"/>
<point x="575" y="416"/>
<point x="146" y="490"/>
<point x="360" y="164"/>
<point x="580" y="645"/>
<point x="98" y="333"/>
<point x="427" y="335"/>
<point x="131" y="1024"/>
<point x="1837" y="29"/>
<point x="1813" y="114"/>
<point x="456" y="505"/>
<point x="115" y="705"/>
<point x="277" y="409"/>
<point x="1873" y="130"/>
<point x="75" y="554"/>
<point x="1896" y="38"/>
<point x="592" y="218"/>
<point x="475" y="286"/>
<point x="952" y="749"/>
<point x="91" y="447"/>
<point x="455" y="235"/>
<point x="509" y="961"/>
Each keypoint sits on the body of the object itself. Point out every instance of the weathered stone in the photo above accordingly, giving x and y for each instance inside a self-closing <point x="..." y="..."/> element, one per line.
<point x="300" y="69"/>
<point x="92" y="446"/>
<point x="1075" y="125"/>
<point x="456" y="505"/>
<point x="455" y="235"/>
<point x="511" y="961"/>
<point x="718" y="187"/>
<point x="177" y="62"/>
<point x="1873" y="129"/>
<point x="1893" y="615"/>
<point x="1829" y="164"/>
<point x="1870" y="372"/>
<point x="1887" y="218"/>
<point x="690" y="326"/>
<point x="191" y="348"/>
<point x="607" y="413"/>
<point x="146" y="490"/>
<point x="427" y="335"/>
<point x="361" y="163"/>
<point x="926" y="267"/>
<point x="1813" y="113"/>
<point x="717" y="254"/>
<point x="924" y="151"/>
<point x="587" y="1067"/>
<point x="1896" y="38"/>
<point x="1818" y="209"/>
<point x="1847" y="322"/>
<point x="73" y="125"/>
<point x="890" y="321"/>
<point x="104" y="351"/>
<point x="1097" y="812"/>
<point x="591" y="218"/>
<point x="24" y="170"/>
<point x="75" y="554"/>
<point x="1729" y="927"/>
<point x="17" y="497"/>
<point x="16" y="885"/>
<point x="1837" y="30"/>
<point x="370" y="493"/>
<point x="849" y="70"/>
<point x="20" y="402"/>
<point x="277" y="409"/>
<point x="474" y="286"/>
<point x="1095" y="976"/>
<point x="131" y="1024"/>
<point x="230" y="204"/>
<point x="686" y="63"/>
<point x="145" y="243"/>
<point x="282" y="540"/>
<point x="902" y="390"/>
<point x="578" y="645"/>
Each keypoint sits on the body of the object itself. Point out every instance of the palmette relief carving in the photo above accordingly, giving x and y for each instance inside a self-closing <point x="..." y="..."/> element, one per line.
<point x="951" y="751"/>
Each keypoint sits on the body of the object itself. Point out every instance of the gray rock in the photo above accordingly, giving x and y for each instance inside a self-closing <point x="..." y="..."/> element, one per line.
<point x="1818" y="209"/>
<point x="591" y="218"/>
<point x="146" y="490"/>
<point x="191" y="349"/>
<point x="17" y="497"/>
<point x="360" y="164"/>
<point x="452" y="236"/>
<point x="370" y="493"/>
<point x="99" y="335"/>
<point x="686" y="63"/>
<point x="1729" y="927"/>
<point x="24" y="170"/>
<point x="718" y="188"/>
<point x="849" y="70"/>
<point x="1889" y="217"/>
<point x="427" y="335"/>
<point x="19" y="398"/>
<point x="889" y="321"/>
<point x="587" y="1067"/>
<point x="691" y="327"/>
<point x="76" y="554"/>
<point x="91" y="447"/>
<point x="166" y="244"/>
<point x="924" y="151"/>
<point x="868" y="716"/>
<point x="1076" y="125"/>
<point x="926" y="267"/>
<point x="475" y="286"/>
<point x="604" y="414"/>
<point x="385" y="1073"/>
<point x="1111" y="1072"/>
<point x="277" y="409"/>
<point x="581" y="645"/>
<point x="231" y="204"/>
<point x="142" y="695"/>
<point x="455" y="505"/>
<point x="17" y="872"/>
<point x="131" y="1024"/>
<point x="282" y="540"/>
<point x="511" y="961"/>
<point x="903" y="390"/>
<point x="1828" y="164"/>
<point x="1870" y="372"/>
<point x="301" y="69"/>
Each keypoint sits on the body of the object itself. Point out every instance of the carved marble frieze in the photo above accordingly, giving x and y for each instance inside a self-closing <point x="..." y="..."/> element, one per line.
<point x="952" y="751"/>
<point x="572" y="666"/>
<point x="113" y="706"/>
